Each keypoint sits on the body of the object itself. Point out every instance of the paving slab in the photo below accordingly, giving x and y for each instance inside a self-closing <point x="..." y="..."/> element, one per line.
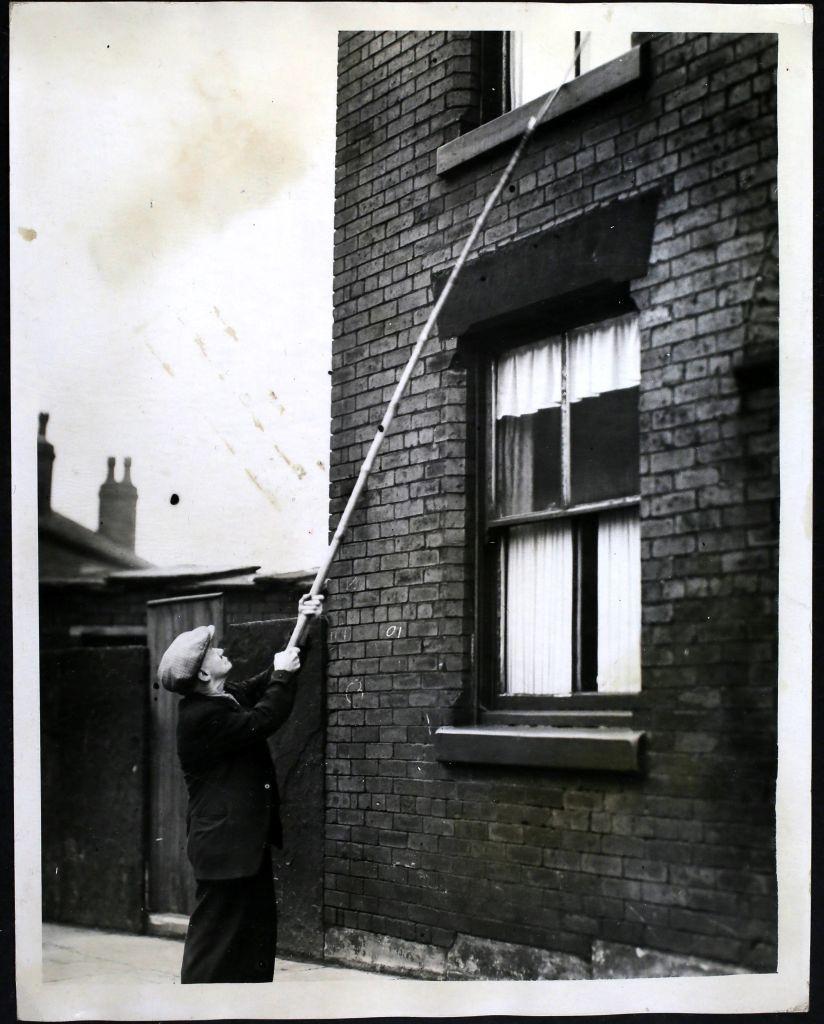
<point x="86" y="954"/>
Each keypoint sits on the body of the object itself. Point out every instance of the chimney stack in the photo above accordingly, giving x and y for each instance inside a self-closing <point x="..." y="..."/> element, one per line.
<point x="118" y="506"/>
<point x="45" y="460"/>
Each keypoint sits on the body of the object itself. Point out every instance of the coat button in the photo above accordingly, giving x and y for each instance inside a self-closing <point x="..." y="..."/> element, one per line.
<point x="266" y="785"/>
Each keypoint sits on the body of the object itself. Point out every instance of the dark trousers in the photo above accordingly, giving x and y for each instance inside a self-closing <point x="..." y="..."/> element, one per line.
<point x="232" y="932"/>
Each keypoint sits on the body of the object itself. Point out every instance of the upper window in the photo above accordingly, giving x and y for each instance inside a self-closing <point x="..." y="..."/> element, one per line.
<point x="562" y="566"/>
<point x="538" y="61"/>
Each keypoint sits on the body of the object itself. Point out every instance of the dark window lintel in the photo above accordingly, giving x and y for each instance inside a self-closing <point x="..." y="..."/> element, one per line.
<point x="571" y="273"/>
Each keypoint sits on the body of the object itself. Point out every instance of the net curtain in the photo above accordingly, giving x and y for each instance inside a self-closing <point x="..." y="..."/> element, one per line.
<point x="528" y="379"/>
<point x="537" y="654"/>
<point x="538" y="614"/>
<point x="602" y="357"/>
<point x="619" y="602"/>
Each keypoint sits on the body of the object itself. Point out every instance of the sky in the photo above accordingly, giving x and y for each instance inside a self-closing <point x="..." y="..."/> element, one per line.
<point x="172" y="196"/>
<point x="172" y="192"/>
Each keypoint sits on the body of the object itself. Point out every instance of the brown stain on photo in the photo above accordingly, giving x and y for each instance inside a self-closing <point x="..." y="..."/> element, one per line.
<point x="226" y="327"/>
<point x="201" y="344"/>
<point x="159" y="358"/>
<point x="222" y="438"/>
<point x="27" y="234"/>
<point x="263" y="490"/>
<point x="258" y="424"/>
<point x="232" y="158"/>
<point x="296" y="467"/>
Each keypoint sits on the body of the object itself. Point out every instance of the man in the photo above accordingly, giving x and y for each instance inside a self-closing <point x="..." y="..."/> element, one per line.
<point x="232" y="818"/>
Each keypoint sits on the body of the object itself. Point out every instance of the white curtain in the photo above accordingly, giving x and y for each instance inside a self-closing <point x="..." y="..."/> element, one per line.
<point x="529" y="379"/>
<point x="516" y="68"/>
<point x="619" y="602"/>
<point x="604" y="357"/>
<point x="537" y="656"/>
<point x="515" y="456"/>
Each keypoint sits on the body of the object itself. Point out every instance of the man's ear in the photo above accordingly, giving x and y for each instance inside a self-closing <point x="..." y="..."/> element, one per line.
<point x="203" y="675"/>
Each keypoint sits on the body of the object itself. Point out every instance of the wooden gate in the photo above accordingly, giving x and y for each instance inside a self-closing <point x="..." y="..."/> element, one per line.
<point x="93" y="731"/>
<point x="170" y="890"/>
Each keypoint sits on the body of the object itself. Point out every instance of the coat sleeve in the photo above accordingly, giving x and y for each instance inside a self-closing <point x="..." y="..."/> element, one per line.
<point x="249" y="691"/>
<point x="230" y="728"/>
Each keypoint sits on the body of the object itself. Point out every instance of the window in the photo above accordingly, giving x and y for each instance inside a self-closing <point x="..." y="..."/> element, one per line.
<point x="539" y="60"/>
<point x="562" y="562"/>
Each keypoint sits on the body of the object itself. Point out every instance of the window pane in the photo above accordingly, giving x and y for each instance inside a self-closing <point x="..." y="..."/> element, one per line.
<point x="528" y="378"/>
<point x="604" y="357"/>
<point x="604" y="446"/>
<point x="528" y="462"/>
<point x="536" y="609"/>
<point x="585" y="603"/>
<point x="604" y="373"/>
<point x="528" y="428"/>
<point x="539" y="59"/>
<point x="603" y="46"/>
<point x="619" y="602"/>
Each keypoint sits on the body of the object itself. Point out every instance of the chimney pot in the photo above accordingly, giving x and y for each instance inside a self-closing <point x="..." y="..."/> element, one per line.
<point x="118" y="506"/>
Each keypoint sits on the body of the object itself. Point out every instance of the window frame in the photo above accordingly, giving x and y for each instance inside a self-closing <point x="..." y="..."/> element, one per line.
<point x="494" y="48"/>
<point x="494" y="707"/>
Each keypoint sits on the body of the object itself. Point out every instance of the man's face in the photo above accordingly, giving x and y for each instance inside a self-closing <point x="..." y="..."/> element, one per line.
<point x="216" y="665"/>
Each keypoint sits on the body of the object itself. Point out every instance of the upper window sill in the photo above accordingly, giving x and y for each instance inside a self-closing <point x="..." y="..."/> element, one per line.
<point x="593" y="85"/>
<point x="541" y="746"/>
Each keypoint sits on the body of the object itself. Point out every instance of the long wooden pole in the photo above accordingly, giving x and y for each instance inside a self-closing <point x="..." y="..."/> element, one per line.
<point x="423" y="337"/>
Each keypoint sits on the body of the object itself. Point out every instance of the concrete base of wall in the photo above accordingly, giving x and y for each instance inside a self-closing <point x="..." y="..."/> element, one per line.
<point x="473" y="958"/>
<point x="612" y="960"/>
<point x="357" y="948"/>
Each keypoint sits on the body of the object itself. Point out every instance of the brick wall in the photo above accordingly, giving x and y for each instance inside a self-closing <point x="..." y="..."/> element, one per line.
<point x="682" y="858"/>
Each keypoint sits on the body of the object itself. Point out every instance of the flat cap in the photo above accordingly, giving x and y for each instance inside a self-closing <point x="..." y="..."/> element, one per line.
<point x="182" y="659"/>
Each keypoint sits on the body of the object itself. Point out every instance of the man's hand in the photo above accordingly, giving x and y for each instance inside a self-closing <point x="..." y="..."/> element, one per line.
<point x="288" y="660"/>
<point x="310" y="606"/>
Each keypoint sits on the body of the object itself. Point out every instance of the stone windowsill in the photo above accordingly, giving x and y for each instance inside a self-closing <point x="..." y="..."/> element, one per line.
<point x="541" y="746"/>
<point x="594" y="85"/>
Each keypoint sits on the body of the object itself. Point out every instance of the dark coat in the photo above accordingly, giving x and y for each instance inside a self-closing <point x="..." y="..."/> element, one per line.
<point x="233" y="809"/>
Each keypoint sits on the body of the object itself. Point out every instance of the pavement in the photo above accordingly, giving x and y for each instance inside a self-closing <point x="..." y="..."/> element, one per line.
<point x="86" y="954"/>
